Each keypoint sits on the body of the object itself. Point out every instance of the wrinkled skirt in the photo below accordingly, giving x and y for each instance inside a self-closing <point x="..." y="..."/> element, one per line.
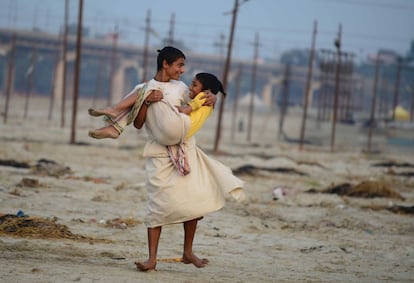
<point x="173" y="198"/>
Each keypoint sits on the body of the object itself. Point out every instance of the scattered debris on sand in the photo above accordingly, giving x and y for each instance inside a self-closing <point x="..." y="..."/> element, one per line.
<point x="365" y="189"/>
<point x="254" y="170"/>
<point x="45" y="167"/>
<point x="40" y="228"/>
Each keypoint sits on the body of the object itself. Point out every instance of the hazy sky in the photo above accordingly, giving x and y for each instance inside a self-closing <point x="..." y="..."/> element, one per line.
<point x="367" y="25"/>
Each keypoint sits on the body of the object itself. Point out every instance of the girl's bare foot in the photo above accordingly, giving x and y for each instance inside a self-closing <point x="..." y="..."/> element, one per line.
<point x="111" y="113"/>
<point x="105" y="132"/>
<point x="192" y="258"/>
<point x="145" y="266"/>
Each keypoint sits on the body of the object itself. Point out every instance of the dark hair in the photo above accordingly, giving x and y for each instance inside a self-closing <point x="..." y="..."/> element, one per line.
<point x="169" y="54"/>
<point x="210" y="81"/>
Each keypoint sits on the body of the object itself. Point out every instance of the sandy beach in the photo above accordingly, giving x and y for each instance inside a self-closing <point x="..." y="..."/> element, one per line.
<point x="96" y="189"/>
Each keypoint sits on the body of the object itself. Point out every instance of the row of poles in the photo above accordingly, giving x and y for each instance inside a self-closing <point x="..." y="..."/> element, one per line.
<point x="343" y="64"/>
<point x="336" y="69"/>
<point x="31" y="70"/>
<point x="76" y="80"/>
<point x="63" y="53"/>
<point x="307" y="91"/>
<point x="285" y="85"/>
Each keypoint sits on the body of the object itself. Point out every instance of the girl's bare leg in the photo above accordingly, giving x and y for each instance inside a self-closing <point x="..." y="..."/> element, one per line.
<point x="153" y="240"/>
<point x="188" y="255"/>
<point x="104" y="132"/>
<point x="114" y="111"/>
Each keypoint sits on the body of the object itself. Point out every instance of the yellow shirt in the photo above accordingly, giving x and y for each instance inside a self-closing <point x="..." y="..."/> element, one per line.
<point x="199" y="114"/>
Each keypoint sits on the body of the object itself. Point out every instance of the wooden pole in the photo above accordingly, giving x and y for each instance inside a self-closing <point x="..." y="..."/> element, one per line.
<point x="349" y="87"/>
<point x="30" y="74"/>
<point x="285" y="101"/>
<point x="325" y="85"/>
<point x="112" y="67"/>
<point x="77" y="73"/>
<point x="337" y="73"/>
<point x="253" y="87"/>
<point x="412" y="104"/>
<point x="381" y="97"/>
<point x="225" y="75"/>
<point x="308" y="86"/>
<point x="146" y="43"/>
<point x="235" y="102"/>
<point x="10" y="77"/>
<point x="221" y="44"/>
<point x="52" y="87"/>
<point x="373" y="104"/>
<point x="397" y="87"/>
<point x="98" y="83"/>
<point x="64" y="59"/>
<point x="170" y="39"/>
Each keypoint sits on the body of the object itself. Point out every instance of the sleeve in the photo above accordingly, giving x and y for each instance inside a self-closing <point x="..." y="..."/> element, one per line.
<point x="197" y="102"/>
<point x="198" y="118"/>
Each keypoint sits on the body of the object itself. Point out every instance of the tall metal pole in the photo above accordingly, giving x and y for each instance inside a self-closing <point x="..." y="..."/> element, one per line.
<point x="225" y="75"/>
<point x="235" y="102"/>
<point x="221" y="44"/>
<point x="308" y="86"/>
<point x="325" y="78"/>
<point x="112" y="68"/>
<point x="373" y="104"/>
<point x="170" y="39"/>
<point x="412" y="104"/>
<point x="64" y="59"/>
<point x="98" y="84"/>
<point x="145" y="55"/>
<point x="397" y="87"/>
<point x="285" y="101"/>
<point x="381" y="99"/>
<point x="253" y="87"/>
<point x="327" y="101"/>
<point x="338" y="68"/>
<point x="52" y="87"/>
<point x="30" y="74"/>
<point x="10" y="77"/>
<point x="349" y="86"/>
<point x="77" y="73"/>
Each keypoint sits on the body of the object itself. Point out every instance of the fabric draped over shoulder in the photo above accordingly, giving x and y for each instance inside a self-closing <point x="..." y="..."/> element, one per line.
<point x="164" y="123"/>
<point x="129" y="116"/>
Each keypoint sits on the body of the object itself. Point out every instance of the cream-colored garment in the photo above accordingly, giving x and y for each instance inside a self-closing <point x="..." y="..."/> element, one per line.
<point x="173" y="198"/>
<point x="161" y="114"/>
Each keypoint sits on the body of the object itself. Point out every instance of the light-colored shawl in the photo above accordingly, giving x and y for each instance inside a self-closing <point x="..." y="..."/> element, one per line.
<point x="169" y="127"/>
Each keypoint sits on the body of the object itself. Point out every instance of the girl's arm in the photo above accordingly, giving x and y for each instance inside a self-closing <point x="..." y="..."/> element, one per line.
<point x="186" y="109"/>
<point x="193" y="105"/>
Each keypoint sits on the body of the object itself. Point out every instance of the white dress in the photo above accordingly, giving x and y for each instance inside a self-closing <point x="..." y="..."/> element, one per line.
<point x="173" y="198"/>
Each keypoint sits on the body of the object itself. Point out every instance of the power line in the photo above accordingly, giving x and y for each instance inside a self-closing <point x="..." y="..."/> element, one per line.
<point x="208" y="31"/>
<point x="374" y="4"/>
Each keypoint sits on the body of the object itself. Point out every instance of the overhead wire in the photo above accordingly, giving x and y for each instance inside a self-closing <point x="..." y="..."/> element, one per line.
<point x="271" y="35"/>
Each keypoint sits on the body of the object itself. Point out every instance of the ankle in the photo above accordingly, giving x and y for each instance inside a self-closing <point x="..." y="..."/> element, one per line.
<point x="106" y="132"/>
